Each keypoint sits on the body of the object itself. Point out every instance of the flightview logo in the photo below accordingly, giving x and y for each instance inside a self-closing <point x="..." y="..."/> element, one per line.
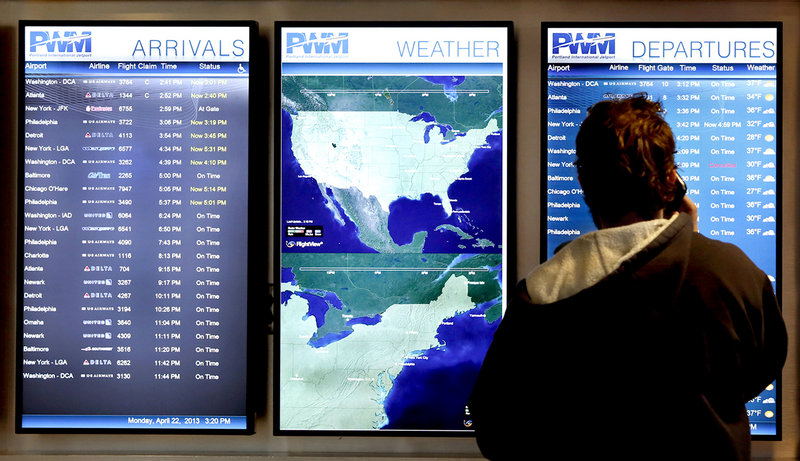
<point x="590" y="44"/>
<point x="60" y="42"/>
<point x="323" y="43"/>
<point x="302" y="244"/>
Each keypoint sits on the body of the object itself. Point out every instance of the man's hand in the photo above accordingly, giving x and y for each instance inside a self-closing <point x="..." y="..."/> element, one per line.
<point x="688" y="206"/>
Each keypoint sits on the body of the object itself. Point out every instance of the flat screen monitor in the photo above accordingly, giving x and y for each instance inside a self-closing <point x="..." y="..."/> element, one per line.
<point x="133" y="199"/>
<point x="393" y="221"/>
<point x="720" y="85"/>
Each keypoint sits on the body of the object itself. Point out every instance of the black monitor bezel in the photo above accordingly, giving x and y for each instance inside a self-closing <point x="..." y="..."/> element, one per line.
<point x="252" y="277"/>
<point x="778" y="26"/>
<point x="509" y="272"/>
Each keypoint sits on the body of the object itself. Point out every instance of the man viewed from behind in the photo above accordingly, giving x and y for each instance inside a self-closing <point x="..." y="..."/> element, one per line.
<point x="642" y="340"/>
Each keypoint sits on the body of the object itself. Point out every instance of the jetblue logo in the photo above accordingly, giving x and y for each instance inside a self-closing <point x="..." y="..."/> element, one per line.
<point x="324" y="43"/>
<point x="61" y="42"/>
<point x="591" y="44"/>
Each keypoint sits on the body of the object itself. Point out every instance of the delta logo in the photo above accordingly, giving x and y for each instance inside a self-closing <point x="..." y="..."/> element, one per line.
<point x="593" y="44"/>
<point x="60" y="42"/>
<point x="317" y="44"/>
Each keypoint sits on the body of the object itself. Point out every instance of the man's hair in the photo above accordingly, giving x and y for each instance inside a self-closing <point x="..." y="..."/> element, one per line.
<point x="625" y="155"/>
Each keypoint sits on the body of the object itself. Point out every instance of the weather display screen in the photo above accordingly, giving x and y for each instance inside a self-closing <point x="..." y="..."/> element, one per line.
<point x="392" y="206"/>
<point x="720" y="87"/>
<point x="133" y="198"/>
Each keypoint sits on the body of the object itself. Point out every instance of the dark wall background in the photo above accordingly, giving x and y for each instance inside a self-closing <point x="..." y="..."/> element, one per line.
<point x="527" y="16"/>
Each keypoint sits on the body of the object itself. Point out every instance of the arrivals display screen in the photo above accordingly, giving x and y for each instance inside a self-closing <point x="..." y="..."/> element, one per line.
<point x="393" y="212"/>
<point x="721" y="88"/>
<point x="133" y="199"/>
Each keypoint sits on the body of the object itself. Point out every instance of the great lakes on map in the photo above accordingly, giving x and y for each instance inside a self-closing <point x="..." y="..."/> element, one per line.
<point x="351" y="323"/>
<point x="403" y="169"/>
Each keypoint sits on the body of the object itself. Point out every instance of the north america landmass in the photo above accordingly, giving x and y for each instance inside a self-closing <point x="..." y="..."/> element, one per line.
<point x="406" y="173"/>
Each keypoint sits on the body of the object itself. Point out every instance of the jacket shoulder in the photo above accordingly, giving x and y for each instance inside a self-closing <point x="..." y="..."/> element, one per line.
<point x="721" y="258"/>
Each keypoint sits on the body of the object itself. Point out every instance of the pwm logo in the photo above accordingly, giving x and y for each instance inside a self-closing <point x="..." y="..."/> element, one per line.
<point x="313" y="43"/>
<point x="55" y="42"/>
<point x="592" y="44"/>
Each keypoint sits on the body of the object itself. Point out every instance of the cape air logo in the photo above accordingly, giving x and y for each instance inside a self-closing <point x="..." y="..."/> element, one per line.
<point x="60" y="42"/>
<point x="317" y="44"/>
<point x="591" y="44"/>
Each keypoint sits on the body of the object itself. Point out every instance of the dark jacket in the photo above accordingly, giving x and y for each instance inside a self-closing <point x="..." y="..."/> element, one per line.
<point x="643" y="342"/>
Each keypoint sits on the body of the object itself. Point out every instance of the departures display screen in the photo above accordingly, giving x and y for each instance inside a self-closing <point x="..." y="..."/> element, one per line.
<point x="133" y="200"/>
<point x="721" y="88"/>
<point x="392" y="210"/>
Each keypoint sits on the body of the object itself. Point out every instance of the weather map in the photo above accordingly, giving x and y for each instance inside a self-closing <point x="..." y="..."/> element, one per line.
<point x="392" y="191"/>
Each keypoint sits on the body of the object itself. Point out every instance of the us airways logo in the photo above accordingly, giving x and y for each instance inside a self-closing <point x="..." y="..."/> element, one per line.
<point x="313" y="43"/>
<point x="591" y="44"/>
<point x="60" y="42"/>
